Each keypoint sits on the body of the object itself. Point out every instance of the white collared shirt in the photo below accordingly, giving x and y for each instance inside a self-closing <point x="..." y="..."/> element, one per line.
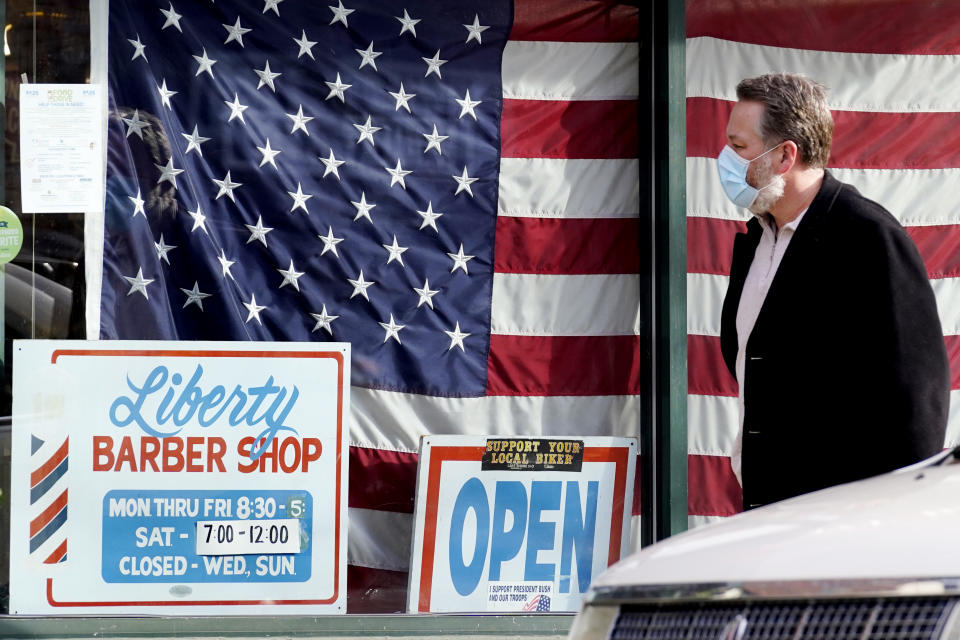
<point x="763" y="269"/>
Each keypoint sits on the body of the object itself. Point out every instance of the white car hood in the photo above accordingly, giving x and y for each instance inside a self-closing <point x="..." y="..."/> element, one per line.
<point x="901" y="525"/>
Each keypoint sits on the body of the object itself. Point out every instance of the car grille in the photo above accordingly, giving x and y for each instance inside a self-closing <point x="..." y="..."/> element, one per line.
<point x="876" y="619"/>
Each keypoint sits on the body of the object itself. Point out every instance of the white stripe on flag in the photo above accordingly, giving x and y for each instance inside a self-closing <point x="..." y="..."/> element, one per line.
<point x="856" y="81"/>
<point x="712" y="423"/>
<point x="565" y="305"/>
<point x="953" y="421"/>
<point x="702" y="521"/>
<point x="705" y="294"/>
<point x="915" y="197"/>
<point x="570" y="70"/>
<point x="395" y="421"/>
<point x="947" y="291"/>
<point x="379" y="539"/>
<point x="561" y="188"/>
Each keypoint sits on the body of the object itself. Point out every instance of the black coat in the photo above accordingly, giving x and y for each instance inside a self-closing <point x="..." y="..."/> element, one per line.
<point x="846" y="370"/>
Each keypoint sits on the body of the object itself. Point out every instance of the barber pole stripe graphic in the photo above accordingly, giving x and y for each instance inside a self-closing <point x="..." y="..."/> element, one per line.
<point x="48" y="492"/>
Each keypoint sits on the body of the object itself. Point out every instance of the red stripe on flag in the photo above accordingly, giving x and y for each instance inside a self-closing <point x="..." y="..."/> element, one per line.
<point x="712" y="489"/>
<point x="861" y="140"/>
<point x="871" y="140"/>
<point x="376" y="590"/>
<point x="940" y="248"/>
<point x="569" y="129"/>
<point x="382" y="479"/>
<point x="707" y="375"/>
<point x="706" y="126"/>
<point x="565" y="246"/>
<point x="904" y="26"/>
<point x="953" y="355"/>
<point x="563" y="365"/>
<point x="48" y="514"/>
<point x="44" y="470"/>
<point x="710" y="246"/>
<point x="574" y="21"/>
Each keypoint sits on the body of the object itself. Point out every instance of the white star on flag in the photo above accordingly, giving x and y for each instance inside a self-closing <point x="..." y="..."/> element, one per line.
<point x="395" y="251"/>
<point x="290" y="276"/>
<point x="360" y="286"/>
<point x="166" y="94"/>
<point x="258" y="232"/>
<point x="340" y="13"/>
<point x="199" y="220"/>
<point x="409" y="24"/>
<point x="235" y="32"/>
<point x="254" y="310"/>
<point x="460" y="260"/>
<point x="426" y="294"/>
<point x="194" y="140"/>
<point x="225" y="265"/>
<point x="366" y="131"/>
<point x="323" y="320"/>
<point x="332" y="165"/>
<point x="163" y="249"/>
<point x="137" y="205"/>
<point x="138" y="283"/>
<point x="299" y="199"/>
<point x="363" y="209"/>
<point x="194" y="296"/>
<point x="139" y="49"/>
<point x="368" y="57"/>
<point x="434" y="64"/>
<point x="402" y="98"/>
<point x="456" y="338"/>
<point x="236" y="109"/>
<point x="429" y="217"/>
<point x="463" y="182"/>
<point x="337" y="89"/>
<point x="330" y="242"/>
<point x="434" y="140"/>
<point x="226" y="187"/>
<point x="392" y="329"/>
<point x="397" y="174"/>
<point x="266" y="77"/>
<point x="168" y="173"/>
<point x="206" y="64"/>
<point x="271" y="5"/>
<point x="306" y="46"/>
<point x="474" y="30"/>
<point x="268" y="154"/>
<point x="299" y="120"/>
<point x="135" y="124"/>
<point x="467" y="105"/>
<point x="172" y="18"/>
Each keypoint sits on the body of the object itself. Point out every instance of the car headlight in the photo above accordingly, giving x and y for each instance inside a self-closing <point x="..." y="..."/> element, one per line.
<point x="593" y="622"/>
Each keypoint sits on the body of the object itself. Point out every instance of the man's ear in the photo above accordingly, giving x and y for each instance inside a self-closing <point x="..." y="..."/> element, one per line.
<point x="788" y="156"/>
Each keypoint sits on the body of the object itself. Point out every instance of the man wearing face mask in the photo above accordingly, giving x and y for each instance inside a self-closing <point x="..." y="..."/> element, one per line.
<point x="829" y="323"/>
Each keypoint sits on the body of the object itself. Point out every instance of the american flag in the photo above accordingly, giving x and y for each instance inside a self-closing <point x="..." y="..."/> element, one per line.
<point x="538" y="603"/>
<point x="449" y="186"/>
<point x="891" y="70"/>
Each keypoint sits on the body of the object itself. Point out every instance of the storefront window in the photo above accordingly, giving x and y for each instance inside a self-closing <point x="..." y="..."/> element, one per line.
<point x="452" y="192"/>
<point x="43" y="287"/>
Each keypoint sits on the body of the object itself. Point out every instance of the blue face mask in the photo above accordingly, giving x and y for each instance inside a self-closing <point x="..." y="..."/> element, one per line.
<point x="733" y="176"/>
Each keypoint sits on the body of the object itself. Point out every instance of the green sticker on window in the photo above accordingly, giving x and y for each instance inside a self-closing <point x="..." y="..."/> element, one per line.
<point x="11" y="235"/>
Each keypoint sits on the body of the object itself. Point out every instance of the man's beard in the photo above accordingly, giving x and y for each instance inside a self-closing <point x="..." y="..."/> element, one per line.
<point x="770" y="189"/>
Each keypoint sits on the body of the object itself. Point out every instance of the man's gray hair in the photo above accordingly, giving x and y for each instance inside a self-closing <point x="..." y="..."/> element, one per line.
<point x="795" y="108"/>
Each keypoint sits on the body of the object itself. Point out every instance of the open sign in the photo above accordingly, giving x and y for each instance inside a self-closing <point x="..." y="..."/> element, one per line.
<point x="516" y="537"/>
